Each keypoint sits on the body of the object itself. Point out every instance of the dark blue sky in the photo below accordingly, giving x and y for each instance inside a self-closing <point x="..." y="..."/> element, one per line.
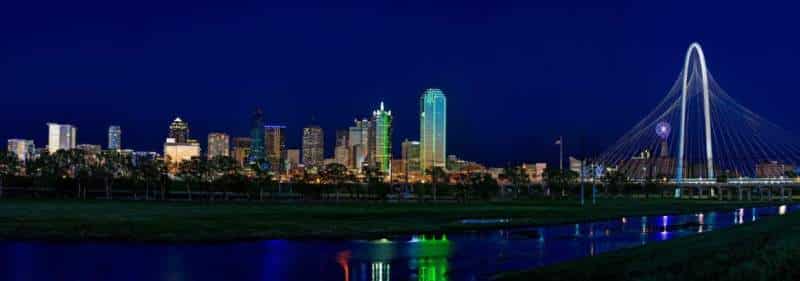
<point x="516" y="73"/>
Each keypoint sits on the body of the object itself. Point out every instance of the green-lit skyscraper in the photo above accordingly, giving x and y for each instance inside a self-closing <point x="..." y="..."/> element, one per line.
<point x="433" y="129"/>
<point x="382" y="145"/>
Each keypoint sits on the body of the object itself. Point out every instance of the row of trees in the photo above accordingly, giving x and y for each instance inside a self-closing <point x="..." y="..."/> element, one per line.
<point x="82" y="168"/>
<point x="74" y="172"/>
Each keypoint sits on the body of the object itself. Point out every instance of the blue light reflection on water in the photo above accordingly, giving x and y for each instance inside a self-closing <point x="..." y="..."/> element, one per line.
<point x="454" y="256"/>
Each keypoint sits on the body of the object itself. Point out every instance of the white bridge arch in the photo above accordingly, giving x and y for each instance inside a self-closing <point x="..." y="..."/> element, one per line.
<point x="695" y="48"/>
<point x="716" y="139"/>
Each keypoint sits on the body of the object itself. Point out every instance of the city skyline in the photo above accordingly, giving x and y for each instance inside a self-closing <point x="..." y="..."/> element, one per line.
<point x="579" y="67"/>
<point x="374" y="136"/>
<point x="399" y="140"/>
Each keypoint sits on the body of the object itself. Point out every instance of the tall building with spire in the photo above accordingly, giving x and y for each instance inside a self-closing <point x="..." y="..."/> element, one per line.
<point x="257" y="155"/>
<point x="433" y="129"/>
<point x="179" y="131"/>
<point x="178" y="147"/>
<point x="381" y="139"/>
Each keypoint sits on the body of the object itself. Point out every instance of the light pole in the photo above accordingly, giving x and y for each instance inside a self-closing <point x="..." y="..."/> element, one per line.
<point x="560" y="144"/>
<point x="581" y="179"/>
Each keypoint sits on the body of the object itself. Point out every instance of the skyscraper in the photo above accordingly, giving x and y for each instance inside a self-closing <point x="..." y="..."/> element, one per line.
<point x="174" y="153"/>
<point x="411" y="156"/>
<point x="257" y="155"/>
<point x="382" y="144"/>
<point x="433" y="129"/>
<point x="241" y="149"/>
<point x="341" y="137"/>
<point x="357" y="141"/>
<point x="178" y="147"/>
<point x="276" y="147"/>
<point x="114" y="138"/>
<point x="179" y="131"/>
<point x="292" y="159"/>
<point x="342" y="150"/>
<point x="61" y="137"/>
<point x="218" y="145"/>
<point x="313" y="151"/>
<point x="23" y="149"/>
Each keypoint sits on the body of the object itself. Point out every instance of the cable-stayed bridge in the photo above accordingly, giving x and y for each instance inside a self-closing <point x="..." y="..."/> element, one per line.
<point x="698" y="134"/>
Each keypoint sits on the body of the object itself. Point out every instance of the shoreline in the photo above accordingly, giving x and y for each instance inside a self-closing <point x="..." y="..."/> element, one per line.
<point x="450" y="225"/>
<point x="763" y="249"/>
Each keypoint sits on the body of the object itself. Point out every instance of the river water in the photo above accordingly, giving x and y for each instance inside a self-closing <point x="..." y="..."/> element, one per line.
<point x="472" y="255"/>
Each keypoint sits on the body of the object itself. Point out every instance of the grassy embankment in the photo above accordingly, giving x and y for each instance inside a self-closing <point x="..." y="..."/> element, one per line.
<point x="765" y="250"/>
<point x="204" y="221"/>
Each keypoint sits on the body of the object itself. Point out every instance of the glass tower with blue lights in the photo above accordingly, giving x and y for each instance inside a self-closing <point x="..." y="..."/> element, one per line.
<point x="114" y="138"/>
<point x="433" y="129"/>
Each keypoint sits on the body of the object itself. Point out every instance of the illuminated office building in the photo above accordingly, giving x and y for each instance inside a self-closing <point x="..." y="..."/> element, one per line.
<point x="342" y="137"/>
<point x="61" y="137"/>
<point x="175" y="153"/>
<point x="275" y="142"/>
<point x="342" y="155"/>
<point x="313" y="150"/>
<point x="382" y="139"/>
<point x="433" y="129"/>
<point x="358" y="141"/>
<point x="241" y="149"/>
<point x="179" y="131"/>
<point x="114" y="138"/>
<point x="218" y="145"/>
<point x="410" y="154"/>
<point x="90" y="149"/>
<point x="179" y="147"/>
<point x="23" y="149"/>
<point x="342" y="151"/>
<point x="292" y="159"/>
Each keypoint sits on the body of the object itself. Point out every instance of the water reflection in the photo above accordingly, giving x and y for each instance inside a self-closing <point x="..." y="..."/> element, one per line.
<point x="701" y="219"/>
<point x="343" y="259"/>
<point x="457" y="256"/>
<point x="381" y="271"/>
<point x="738" y="217"/>
<point x="432" y="257"/>
<point x="664" y="223"/>
<point x="431" y="269"/>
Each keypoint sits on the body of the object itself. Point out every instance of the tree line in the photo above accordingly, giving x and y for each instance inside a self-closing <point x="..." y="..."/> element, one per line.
<point x="80" y="174"/>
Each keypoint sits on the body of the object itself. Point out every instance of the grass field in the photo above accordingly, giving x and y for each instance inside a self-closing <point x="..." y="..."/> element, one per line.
<point x="204" y="221"/>
<point x="766" y="250"/>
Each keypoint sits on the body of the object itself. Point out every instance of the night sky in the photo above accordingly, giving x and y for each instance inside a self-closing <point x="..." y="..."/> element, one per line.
<point x="516" y="73"/>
